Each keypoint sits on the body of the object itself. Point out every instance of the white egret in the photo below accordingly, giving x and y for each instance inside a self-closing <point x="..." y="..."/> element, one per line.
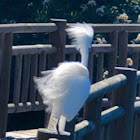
<point x="65" y="89"/>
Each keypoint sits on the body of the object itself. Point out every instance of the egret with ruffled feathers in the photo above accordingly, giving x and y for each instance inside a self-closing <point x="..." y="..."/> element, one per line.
<point x="66" y="88"/>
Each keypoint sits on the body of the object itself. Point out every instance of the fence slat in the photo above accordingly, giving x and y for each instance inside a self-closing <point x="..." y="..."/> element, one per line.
<point x="112" y="59"/>
<point x="5" y="81"/>
<point x="100" y="63"/>
<point x="25" y="78"/>
<point x="41" y="67"/>
<point x="92" y="112"/>
<point x="125" y="97"/>
<point x="17" y="79"/>
<point x="90" y="67"/>
<point x="123" y="41"/>
<point x="137" y="127"/>
<point x="1" y="50"/>
<point x="33" y="72"/>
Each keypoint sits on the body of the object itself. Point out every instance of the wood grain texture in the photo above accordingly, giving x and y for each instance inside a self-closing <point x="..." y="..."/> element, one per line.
<point x="5" y="82"/>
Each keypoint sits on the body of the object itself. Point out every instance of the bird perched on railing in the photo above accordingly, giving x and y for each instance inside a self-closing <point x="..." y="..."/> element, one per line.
<point x="65" y="89"/>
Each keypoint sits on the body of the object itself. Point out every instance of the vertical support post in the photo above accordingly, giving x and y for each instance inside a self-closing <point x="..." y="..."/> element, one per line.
<point x="100" y="63"/>
<point x="135" y="58"/>
<point x="137" y="127"/>
<point x="112" y="59"/>
<point x="92" y="112"/>
<point x="58" y="39"/>
<point x="125" y="97"/>
<point x="1" y="50"/>
<point x="123" y="41"/>
<point x="5" y="81"/>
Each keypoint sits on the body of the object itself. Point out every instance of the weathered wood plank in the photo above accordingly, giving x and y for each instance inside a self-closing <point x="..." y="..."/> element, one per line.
<point x="28" y="27"/>
<point x="17" y="79"/>
<point x="112" y="57"/>
<point x="22" y="134"/>
<point x="33" y="49"/>
<point x="83" y="128"/>
<point x="1" y="50"/>
<point x="36" y="106"/>
<point x="96" y="48"/>
<point x="137" y="127"/>
<point x="5" y="82"/>
<point x="92" y="112"/>
<point x="90" y="66"/>
<point x="50" y="27"/>
<point x="105" y="86"/>
<point x="33" y="72"/>
<point x="100" y="64"/>
<point x="25" y="78"/>
<point x="107" y="28"/>
<point x="125" y="97"/>
<point x="123" y="41"/>
<point x="135" y="58"/>
<point x="41" y="67"/>
<point x="45" y="134"/>
<point x="111" y="114"/>
<point x="133" y="48"/>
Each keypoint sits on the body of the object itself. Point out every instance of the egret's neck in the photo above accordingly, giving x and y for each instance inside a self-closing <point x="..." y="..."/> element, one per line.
<point x="84" y="56"/>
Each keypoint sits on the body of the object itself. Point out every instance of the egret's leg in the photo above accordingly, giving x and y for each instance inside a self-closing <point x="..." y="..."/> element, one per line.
<point x="57" y="127"/>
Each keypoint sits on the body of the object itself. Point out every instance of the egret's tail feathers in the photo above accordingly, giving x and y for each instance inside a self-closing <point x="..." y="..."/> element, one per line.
<point x="40" y="86"/>
<point x="81" y="34"/>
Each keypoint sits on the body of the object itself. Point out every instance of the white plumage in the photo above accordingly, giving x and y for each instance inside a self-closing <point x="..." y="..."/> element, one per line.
<point x="65" y="89"/>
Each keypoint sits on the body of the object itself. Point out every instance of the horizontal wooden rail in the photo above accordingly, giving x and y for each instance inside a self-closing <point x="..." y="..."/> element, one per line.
<point x="137" y="107"/>
<point x="33" y="49"/>
<point x="83" y="128"/>
<point x="28" y="28"/>
<point x="107" y="116"/>
<point x="100" y="88"/>
<point x="96" y="48"/>
<point x="133" y="48"/>
<point x="51" y="27"/>
<point x="37" y="106"/>
<point x="111" y="114"/>
<point x="107" y="28"/>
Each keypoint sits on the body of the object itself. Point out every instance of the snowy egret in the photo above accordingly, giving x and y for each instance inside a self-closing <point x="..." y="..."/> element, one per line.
<point x="65" y="89"/>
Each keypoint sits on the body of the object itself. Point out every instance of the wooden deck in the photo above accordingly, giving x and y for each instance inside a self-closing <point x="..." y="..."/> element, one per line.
<point x="21" y="135"/>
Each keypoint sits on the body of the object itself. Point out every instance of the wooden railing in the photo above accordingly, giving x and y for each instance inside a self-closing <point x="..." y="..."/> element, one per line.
<point x="29" y="60"/>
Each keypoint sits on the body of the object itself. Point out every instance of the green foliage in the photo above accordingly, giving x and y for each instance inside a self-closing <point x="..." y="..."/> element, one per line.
<point x="97" y="11"/>
<point x="94" y="11"/>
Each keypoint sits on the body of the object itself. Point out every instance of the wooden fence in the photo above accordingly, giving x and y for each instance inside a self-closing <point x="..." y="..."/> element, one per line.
<point x="29" y="60"/>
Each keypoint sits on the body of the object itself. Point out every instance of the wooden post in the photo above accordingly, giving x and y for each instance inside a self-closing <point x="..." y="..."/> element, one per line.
<point x="58" y="39"/>
<point x="92" y="112"/>
<point x="100" y="64"/>
<point x="123" y="41"/>
<point x="25" y="78"/>
<point x="17" y="79"/>
<point x="1" y="50"/>
<point x="90" y="67"/>
<point x="125" y="97"/>
<point x="112" y="59"/>
<point x="5" y="81"/>
<point x="137" y="127"/>
<point x="135" y="58"/>
<point x="33" y="72"/>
